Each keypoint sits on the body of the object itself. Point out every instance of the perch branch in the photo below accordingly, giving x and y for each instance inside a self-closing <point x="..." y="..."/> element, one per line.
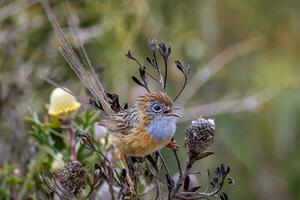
<point x="189" y="164"/>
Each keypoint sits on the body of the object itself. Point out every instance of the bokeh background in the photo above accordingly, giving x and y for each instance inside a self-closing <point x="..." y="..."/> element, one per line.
<point x="245" y="57"/>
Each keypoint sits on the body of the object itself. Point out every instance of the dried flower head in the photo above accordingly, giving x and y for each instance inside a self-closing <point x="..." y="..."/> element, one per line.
<point x="62" y="103"/>
<point x="200" y="134"/>
<point x="72" y="178"/>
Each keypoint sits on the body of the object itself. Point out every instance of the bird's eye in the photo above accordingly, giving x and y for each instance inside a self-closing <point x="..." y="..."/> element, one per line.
<point x="157" y="107"/>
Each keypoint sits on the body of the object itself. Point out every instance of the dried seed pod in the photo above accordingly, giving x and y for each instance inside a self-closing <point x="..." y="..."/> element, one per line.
<point x="72" y="178"/>
<point x="199" y="135"/>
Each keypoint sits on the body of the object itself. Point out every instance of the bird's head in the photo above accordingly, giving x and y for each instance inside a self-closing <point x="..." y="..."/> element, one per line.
<point x="156" y="104"/>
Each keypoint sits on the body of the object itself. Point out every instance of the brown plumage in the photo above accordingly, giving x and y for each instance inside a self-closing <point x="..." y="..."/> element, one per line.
<point x="129" y="127"/>
<point x="155" y="96"/>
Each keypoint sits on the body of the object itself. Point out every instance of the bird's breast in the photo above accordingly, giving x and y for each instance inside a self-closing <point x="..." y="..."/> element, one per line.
<point x="162" y="128"/>
<point x="139" y="144"/>
<point x="145" y="140"/>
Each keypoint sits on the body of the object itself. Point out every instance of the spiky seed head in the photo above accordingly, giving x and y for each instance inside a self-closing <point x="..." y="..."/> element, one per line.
<point x="72" y="178"/>
<point x="200" y="134"/>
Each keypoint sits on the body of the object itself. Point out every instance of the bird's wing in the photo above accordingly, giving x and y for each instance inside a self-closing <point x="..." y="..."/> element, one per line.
<point x="123" y="122"/>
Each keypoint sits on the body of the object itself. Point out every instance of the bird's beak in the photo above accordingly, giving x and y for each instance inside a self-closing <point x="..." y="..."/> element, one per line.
<point x="169" y="112"/>
<point x="176" y="108"/>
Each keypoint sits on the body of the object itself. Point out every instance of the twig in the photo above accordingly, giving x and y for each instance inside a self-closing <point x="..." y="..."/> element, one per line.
<point x="218" y="63"/>
<point x="141" y="66"/>
<point x="181" y="90"/>
<point x="93" y="148"/>
<point x="146" y="192"/>
<point x="166" y="73"/>
<point x="67" y="129"/>
<point x="73" y="145"/>
<point x="164" y="164"/>
<point x="158" y="190"/>
<point x="110" y="181"/>
<point x="178" y="162"/>
<point x="189" y="164"/>
<point x="157" y="177"/>
<point x="179" y="196"/>
<point x="93" y="188"/>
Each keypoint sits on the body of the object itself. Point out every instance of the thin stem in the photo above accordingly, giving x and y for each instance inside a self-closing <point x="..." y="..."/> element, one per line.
<point x="182" y="88"/>
<point x="93" y="188"/>
<point x="158" y="178"/>
<point x="166" y="73"/>
<point x="67" y="129"/>
<point x="189" y="163"/>
<point x="189" y="198"/>
<point x="146" y="192"/>
<point x="164" y="164"/>
<point x="151" y="76"/>
<point x="103" y="156"/>
<point x="141" y="66"/>
<point x="158" y="190"/>
<point x="178" y="162"/>
<point x="73" y="145"/>
<point x="117" y="180"/>
<point x="110" y="182"/>
<point x="155" y="62"/>
<point x="161" y="81"/>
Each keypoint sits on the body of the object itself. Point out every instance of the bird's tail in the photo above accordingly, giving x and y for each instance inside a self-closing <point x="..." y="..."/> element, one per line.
<point x="87" y="76"/>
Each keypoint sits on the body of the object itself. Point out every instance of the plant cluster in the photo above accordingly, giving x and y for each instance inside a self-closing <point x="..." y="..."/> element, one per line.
<point x="96" y="172"/>
<point x="77" y="159"/>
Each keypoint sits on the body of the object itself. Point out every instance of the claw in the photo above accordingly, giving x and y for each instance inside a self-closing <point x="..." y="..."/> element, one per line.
<point x="132" y="189"/>
<point x="173" y="145"/>
<point x="129" y="180"/>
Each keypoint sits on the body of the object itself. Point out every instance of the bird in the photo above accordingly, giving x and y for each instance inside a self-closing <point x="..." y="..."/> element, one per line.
<point x="146" y="127"/>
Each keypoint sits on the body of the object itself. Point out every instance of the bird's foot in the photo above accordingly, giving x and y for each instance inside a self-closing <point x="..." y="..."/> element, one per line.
<point x="129" y="180"/>
<point x="173" y="145"/>
<point x="132" y="189"/>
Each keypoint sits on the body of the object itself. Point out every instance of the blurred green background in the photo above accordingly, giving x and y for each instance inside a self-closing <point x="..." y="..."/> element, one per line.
<point x="245" y="57"/>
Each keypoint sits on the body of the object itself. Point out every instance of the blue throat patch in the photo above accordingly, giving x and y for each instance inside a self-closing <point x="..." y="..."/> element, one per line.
<point x="162" y="128"/>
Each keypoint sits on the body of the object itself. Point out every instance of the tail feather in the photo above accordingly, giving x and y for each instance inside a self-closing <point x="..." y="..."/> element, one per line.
<point x="78" y="98"/>
<point x="88" y="78"/>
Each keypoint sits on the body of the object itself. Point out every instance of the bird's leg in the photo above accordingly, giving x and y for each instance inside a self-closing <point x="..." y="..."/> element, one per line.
<point x="130" y="182"/>
<point x="173" y="145"/>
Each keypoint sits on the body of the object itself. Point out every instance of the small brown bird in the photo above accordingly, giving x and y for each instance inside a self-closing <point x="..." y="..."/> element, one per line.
<point x="146" y="127"/>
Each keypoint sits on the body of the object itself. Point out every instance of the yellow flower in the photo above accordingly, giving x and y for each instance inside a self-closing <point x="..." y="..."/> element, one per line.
<point x="62" y="103"/>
